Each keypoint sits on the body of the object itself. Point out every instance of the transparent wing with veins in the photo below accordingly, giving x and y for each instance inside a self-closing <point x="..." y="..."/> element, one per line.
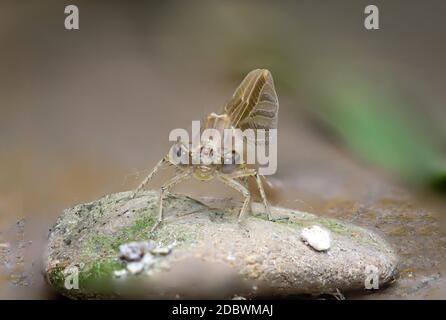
<point x="254" y="104"/>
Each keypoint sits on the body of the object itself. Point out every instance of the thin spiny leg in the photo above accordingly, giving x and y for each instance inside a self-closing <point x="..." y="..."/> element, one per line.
<point x="166" y="186"/>
<point x="252" y="172"/>
<point x="143" y="184"/>
<point x="241" y="174"/>
<point x="239" y="187"/>
<point x="263" y="195"/>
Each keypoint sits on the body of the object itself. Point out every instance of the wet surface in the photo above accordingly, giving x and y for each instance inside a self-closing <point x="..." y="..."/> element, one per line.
<point x="80" y="119"/>
<point x="338" y="187"/>
<point x="411" y="220"/>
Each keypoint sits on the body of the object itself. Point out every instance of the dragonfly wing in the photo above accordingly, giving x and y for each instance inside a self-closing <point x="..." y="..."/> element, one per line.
<point x="254" y="104"/>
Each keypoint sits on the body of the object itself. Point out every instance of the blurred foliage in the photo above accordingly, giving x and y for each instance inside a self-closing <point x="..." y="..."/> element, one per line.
<point x="374" y="119"/>
<point x="382" y="128"/>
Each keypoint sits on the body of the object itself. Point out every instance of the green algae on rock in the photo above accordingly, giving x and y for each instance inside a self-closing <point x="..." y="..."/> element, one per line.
<point x="211" y="255"/>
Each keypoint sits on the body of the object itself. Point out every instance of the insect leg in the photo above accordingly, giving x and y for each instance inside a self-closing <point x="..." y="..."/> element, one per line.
<point x="242" y="189"/>
<point x="263" y="195"/>
<point x="241" y="174"/>
<point x="253" y="172"/>
<point x="165" y="187"/>
<point x="143" y="184"/>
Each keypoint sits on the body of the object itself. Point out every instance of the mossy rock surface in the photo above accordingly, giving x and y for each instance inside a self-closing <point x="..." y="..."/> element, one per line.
<point x="213" y="256"/>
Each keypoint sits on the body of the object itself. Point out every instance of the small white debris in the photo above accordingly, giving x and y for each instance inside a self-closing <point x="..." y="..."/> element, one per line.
<point x="161" y="251"/>
<point x="120" y="273"/>
<point x="316" y="237"/>
<point x="141" y="256"/>
<point x="134" y="251"/>
<point x="4" y="245"/>
<point x="148" y="260"/>
<point x="135" y="267"/>
<point x="230" y="257"/>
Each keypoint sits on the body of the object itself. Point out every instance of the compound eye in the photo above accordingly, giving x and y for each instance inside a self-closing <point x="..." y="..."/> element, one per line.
<point x="178" y="150"/>
<point x="179" y="154"/>
<point x="207" y="151"/>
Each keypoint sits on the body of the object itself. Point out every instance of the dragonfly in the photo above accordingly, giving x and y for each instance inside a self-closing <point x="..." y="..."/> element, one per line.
<point x="254" y="105"/>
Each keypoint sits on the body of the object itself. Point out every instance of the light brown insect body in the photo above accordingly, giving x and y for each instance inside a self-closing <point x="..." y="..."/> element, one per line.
<point x="205" y="172"/>
<point x="254" y="105"/>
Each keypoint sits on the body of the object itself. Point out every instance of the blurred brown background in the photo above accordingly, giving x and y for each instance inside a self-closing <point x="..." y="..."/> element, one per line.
<point x="361" y="132"/>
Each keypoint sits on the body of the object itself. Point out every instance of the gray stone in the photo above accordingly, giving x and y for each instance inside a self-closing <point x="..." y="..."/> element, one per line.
<point x="202" y="252"/>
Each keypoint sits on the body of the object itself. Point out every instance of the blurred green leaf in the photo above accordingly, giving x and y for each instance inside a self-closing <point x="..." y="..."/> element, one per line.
<point x="378" y="126"/>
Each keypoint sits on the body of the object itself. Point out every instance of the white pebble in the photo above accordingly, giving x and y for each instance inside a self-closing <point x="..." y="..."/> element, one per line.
<point x="120" y="273"/>
<point x="135" y="267"/>
<point x="134" y="251"/>
<point x="148" y="260"/>
<point x="161" y="251"/>
<point x="316" y="237"/>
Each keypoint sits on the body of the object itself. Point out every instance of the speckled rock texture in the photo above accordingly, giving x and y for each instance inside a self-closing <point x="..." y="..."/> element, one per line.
<point x="210" y="255"/>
